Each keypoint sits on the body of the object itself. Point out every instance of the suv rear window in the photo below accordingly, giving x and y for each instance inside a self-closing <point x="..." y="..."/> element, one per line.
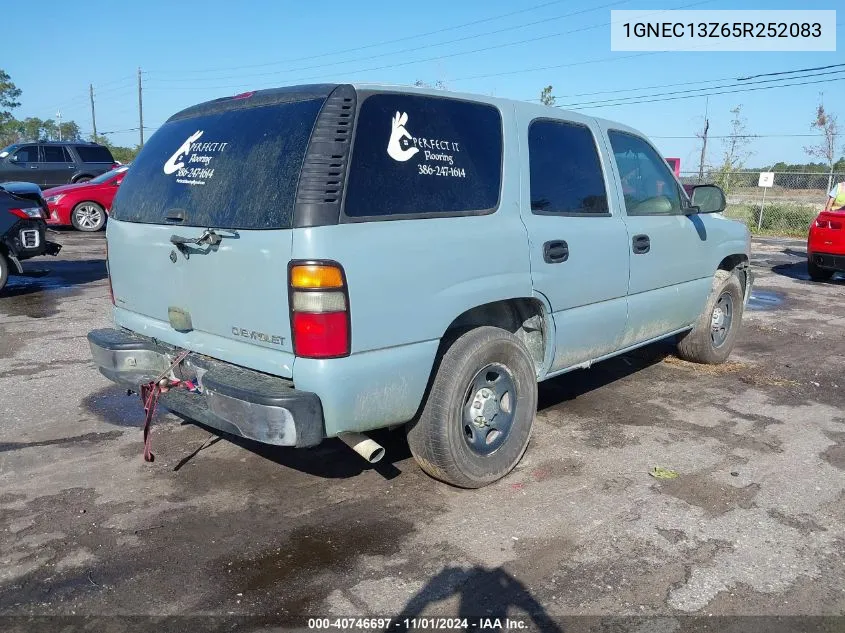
<point x="235" y="169"/>
<point x="94" y="154"/>
<point x="424" y="155"/>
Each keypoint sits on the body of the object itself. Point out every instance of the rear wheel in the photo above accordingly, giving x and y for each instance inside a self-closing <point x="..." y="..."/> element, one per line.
<point x="712" y="338"/>
<point x="476" y="421"/>
<point x="88" y="216"/>
<point x="82" y="179"/>
<point x="818" y="274"/>
<point x="4" y="271"/>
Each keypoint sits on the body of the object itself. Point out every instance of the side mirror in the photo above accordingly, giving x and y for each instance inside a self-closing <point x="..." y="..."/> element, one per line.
<point x="13" y="158"/>
<point x="708" y="199"/>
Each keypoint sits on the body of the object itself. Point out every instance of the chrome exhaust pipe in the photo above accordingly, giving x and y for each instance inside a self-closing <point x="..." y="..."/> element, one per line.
<point x="369" y="449"/>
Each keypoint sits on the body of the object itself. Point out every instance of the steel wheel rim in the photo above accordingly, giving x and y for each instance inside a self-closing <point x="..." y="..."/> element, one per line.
<point x="489" y="409"/>
<point x="721" y="319"/>
<point x="88" y="216"/>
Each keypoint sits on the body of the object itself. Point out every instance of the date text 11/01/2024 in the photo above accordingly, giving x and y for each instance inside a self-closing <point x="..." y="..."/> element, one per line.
<point x="418" y="623"/>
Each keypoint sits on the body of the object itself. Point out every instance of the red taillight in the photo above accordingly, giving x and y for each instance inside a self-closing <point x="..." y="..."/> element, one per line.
<point x="320" y="335"/>
<point x="820" y="223"/>
<point x="31" y="213"/>
<point x="319" y="305"/>
<point x="835" y="225"/>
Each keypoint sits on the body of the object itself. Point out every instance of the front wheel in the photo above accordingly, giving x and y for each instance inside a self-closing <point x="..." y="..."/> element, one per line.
<point x="477" y="419"/>
<point x="712" y="338"/>
<point x="88" y="216"/>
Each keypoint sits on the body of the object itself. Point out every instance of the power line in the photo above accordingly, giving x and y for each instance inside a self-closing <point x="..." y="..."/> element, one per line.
<point x="789" y="72"/>
<point x="445" y="56"/>
<point x="622" y="100"/>
<point x="741" y="136"/>
<point x="598" y="60"/>
<point x="412" y="49"/>
<point x="376" y="44"/>
<point x="724" y="92"/>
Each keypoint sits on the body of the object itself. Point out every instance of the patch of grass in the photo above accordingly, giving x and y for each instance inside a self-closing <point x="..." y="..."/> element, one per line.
<point x="779" y="218"/>
<point x="724" y="368"/>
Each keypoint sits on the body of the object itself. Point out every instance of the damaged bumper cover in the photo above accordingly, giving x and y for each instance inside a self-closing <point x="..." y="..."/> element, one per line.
<point x="230" y="398"/>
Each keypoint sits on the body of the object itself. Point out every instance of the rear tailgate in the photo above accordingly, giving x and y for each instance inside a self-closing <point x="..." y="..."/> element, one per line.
<point x="233" y="169"/>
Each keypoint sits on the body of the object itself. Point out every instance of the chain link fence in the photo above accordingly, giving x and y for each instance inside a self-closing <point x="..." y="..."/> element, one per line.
<point x="787" y="208"/>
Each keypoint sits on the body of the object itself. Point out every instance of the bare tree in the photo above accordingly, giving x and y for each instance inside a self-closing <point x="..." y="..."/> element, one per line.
<point x="735" y="148"/>
<point x="546" y="96"/>
<point x="826" y="149"/>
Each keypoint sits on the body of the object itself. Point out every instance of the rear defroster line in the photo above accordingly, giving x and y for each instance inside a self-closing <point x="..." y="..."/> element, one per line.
<point x="150" y="393"/>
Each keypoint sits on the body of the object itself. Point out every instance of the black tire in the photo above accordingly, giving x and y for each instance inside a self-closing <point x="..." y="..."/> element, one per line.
<point x="702" y="344"/>
<point x="88" y="217"/>
<point x="4" y="271"/>
<point x="82" y="179"/>
<point x="473" y="454"/>
<point x="818" y="274"/>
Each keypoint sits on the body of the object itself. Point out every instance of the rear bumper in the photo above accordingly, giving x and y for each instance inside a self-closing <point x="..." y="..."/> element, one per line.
<point x="827" y="261"/>
<point x="27" y="239"/>
<point x="232" y="399"/>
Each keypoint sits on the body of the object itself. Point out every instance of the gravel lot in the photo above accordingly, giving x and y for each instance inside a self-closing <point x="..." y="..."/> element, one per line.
<point x="754" y="524"/>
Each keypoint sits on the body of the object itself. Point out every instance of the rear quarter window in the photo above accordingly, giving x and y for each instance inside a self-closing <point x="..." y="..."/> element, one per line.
<point x="94" y="154"/>
<point x="420" y="155"/>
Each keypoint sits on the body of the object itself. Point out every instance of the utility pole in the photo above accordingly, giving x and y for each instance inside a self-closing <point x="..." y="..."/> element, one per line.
<point x="703" y="137"/>
<point x="59" y="124"/>
<point x="140" y="108"/>
<point x="93" y="117"/>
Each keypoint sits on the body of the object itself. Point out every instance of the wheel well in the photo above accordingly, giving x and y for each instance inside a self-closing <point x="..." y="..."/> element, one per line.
<point x="733" y="262"/>
<point x="523" y="317"/>
<point x="78" y="177"/>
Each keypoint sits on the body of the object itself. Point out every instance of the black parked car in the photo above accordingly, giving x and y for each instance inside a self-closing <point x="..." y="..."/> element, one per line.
<point x="53" y="163"/>
<point x="22" y="227"/>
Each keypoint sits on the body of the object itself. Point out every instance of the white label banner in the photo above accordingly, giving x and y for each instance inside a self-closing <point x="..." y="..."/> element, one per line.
<point x="724" y="30"/>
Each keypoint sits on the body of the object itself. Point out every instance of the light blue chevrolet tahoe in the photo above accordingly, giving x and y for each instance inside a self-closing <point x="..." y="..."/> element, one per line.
<point x="332" y="259"/>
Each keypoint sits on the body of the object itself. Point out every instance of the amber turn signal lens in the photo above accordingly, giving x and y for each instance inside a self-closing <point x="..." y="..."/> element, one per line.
<point x="316" y="276"/>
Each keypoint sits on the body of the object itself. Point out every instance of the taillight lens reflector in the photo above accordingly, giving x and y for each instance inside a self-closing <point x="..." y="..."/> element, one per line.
<point x="321" y="335"/>
<point x="316" y="276"/>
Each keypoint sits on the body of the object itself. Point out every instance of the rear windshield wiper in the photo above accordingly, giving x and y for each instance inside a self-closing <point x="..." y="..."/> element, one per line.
<point x="209" y="237"/>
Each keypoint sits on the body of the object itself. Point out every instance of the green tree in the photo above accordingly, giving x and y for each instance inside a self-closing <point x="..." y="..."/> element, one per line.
<point x="9" y="95"/>
<point x="546" y="96"/>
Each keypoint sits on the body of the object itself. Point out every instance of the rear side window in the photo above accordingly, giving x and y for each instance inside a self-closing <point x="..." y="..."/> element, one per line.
<point x="94" y="154"/>
<point x="566" y="174"/>
<point x="55" y="154"/>
<point x="235" y="169"/>
<point x="424" y="155"/>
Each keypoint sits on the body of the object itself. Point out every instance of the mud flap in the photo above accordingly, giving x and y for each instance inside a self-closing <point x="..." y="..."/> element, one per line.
<point x="17" y="269"/>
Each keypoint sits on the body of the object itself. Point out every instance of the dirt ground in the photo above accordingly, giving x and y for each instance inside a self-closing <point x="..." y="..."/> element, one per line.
<point x="753" y="525"/>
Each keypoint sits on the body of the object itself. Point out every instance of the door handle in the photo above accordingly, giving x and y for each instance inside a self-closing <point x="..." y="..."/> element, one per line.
<point x="555" y="251"/>
<point x="641" y="244"/>
<point x="33" y="166"/>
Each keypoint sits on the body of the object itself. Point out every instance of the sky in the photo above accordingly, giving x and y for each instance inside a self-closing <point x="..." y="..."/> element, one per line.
<point x="190" y="52"/>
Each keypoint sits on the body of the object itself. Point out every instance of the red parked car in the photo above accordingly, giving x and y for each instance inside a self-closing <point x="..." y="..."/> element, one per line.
<point x="826" y="245"/>
<point x="84" y="205"/>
